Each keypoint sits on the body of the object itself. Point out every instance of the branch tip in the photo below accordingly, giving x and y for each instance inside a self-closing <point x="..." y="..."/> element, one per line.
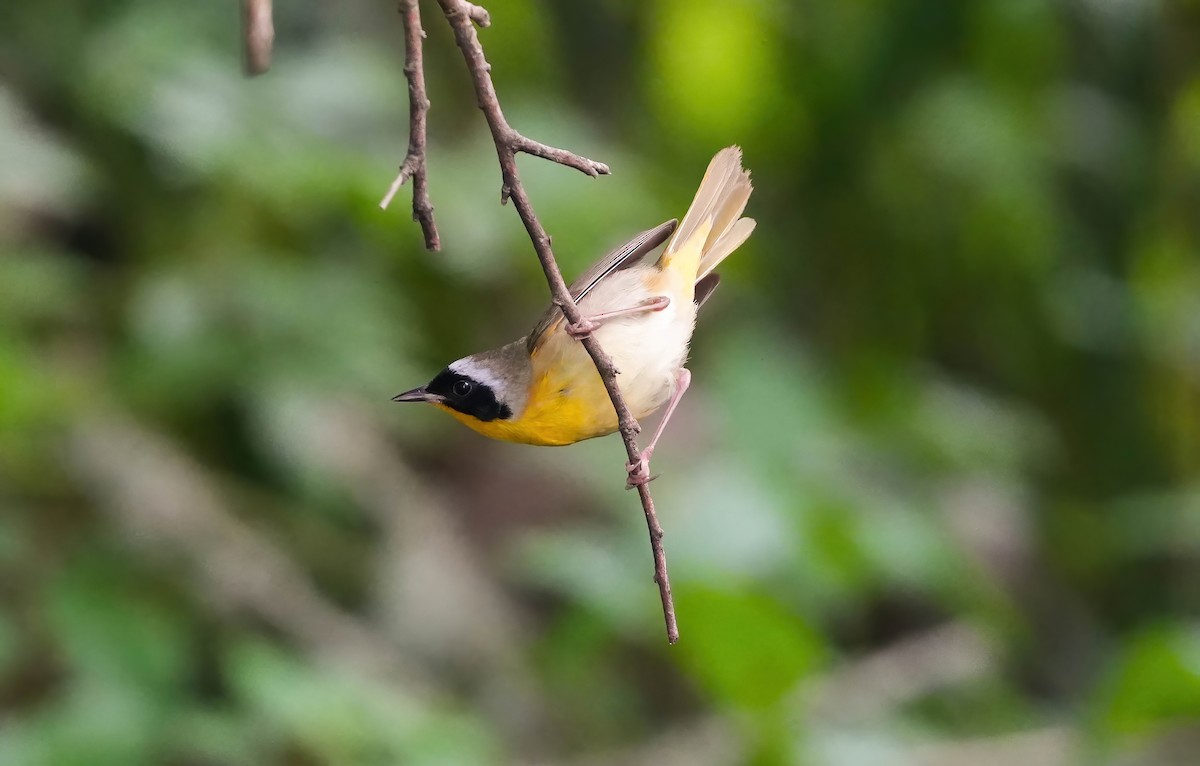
<point x="478" y="14"/>
<point x="258" y="36"/>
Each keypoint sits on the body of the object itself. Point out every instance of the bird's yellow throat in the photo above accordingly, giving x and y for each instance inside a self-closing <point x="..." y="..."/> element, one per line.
<point x="558" y="413"/>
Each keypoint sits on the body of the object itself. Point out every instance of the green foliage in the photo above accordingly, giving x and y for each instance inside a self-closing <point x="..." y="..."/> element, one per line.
<point x="1155" y="681"/>
<point x="748" y="651"/>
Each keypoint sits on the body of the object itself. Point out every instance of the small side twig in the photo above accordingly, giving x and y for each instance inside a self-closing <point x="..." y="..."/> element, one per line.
<point x="258" y="35"/>
<point x="477" y="13"/>
<point x="418" y="110"/>
<point x="463" y="16"/>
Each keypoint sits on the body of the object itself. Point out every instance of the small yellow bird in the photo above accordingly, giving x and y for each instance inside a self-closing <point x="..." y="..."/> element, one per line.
<point x="544" y="389"/>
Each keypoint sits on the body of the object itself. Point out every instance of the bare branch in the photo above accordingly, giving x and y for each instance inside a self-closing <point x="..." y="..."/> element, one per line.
<point x="418" y="111"/>
<point x="508" y="142"/>
<point x="258" y="35"/>
<point x="537" y="149"/>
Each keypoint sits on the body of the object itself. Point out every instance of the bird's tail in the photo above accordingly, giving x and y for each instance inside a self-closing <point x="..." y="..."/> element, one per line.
<point x="713" y="227"/>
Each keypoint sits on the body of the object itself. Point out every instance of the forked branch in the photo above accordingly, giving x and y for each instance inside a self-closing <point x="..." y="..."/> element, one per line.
<point x="418" y="111"/>
<point x="463" y="16"/>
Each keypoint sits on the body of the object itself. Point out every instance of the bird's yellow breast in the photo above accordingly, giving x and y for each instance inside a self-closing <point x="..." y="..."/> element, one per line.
<point x="562" y="409"/>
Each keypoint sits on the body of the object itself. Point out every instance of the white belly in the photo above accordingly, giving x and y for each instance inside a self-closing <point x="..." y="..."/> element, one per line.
<point x="648" y="348"/>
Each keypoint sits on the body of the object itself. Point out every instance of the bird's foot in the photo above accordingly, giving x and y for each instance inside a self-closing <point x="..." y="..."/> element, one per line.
<point x="588" y="325"/>
<point x="639" y="471"/>
<point x="582" y="330"/>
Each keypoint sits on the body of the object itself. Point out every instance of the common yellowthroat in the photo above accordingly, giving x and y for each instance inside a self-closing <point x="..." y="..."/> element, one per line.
<point x="544" y="389"/>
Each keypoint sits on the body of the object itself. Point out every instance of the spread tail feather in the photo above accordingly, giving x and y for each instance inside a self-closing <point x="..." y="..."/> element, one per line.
<point x="717" y="207"/>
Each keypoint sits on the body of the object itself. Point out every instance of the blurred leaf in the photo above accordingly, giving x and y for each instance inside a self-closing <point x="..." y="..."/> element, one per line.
<point x="37" y="171"/>
<point x="346" y="720"/>
<point x="595" y="571"/>
<point x="745" y="649"/>
<point x="96" y="723"/>
<point x="106" y="630"/>
<point x="39" y="286"/>
<point x="705" y="60"/>
<point x="723" y="527"/>
<point x="1155" y="681"/>
<point x="1187" y="124"/>
<point x="9" y="641"/>
<point x="28" y="396"/>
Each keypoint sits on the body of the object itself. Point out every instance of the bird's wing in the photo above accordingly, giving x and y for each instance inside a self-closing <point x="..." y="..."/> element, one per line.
<point x="623" y="257"/>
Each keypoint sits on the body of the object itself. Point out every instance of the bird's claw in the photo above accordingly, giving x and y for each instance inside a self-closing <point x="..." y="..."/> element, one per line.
<point x="639" y="472"/>
<point x="583" y="329"/>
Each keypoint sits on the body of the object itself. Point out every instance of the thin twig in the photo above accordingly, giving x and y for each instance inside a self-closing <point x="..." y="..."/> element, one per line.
<point x="258" y="35"/>
<point x="418" y="111"/>
<point x="509" y="142"/>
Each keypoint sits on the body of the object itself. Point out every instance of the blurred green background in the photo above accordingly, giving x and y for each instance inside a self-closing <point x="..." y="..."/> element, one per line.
<point x="934" y="497"/>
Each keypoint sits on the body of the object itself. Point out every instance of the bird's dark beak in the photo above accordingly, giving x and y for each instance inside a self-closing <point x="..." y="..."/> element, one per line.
<point x="416" y="395"/>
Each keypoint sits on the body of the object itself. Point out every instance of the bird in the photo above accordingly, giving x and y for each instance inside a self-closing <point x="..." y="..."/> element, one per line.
<point x="544" y="389"/>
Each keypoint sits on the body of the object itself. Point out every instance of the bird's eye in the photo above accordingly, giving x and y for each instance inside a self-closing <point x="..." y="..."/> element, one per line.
<point x="462" y="387"/>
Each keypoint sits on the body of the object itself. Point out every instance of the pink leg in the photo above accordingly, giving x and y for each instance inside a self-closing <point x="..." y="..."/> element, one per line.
<point x="589" y="324"/>
<point x="639" y="472"/>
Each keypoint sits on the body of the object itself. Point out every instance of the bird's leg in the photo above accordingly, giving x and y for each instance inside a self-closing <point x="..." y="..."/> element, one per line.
<point x="639" y="471"/>
<point x="589" y="324"/>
